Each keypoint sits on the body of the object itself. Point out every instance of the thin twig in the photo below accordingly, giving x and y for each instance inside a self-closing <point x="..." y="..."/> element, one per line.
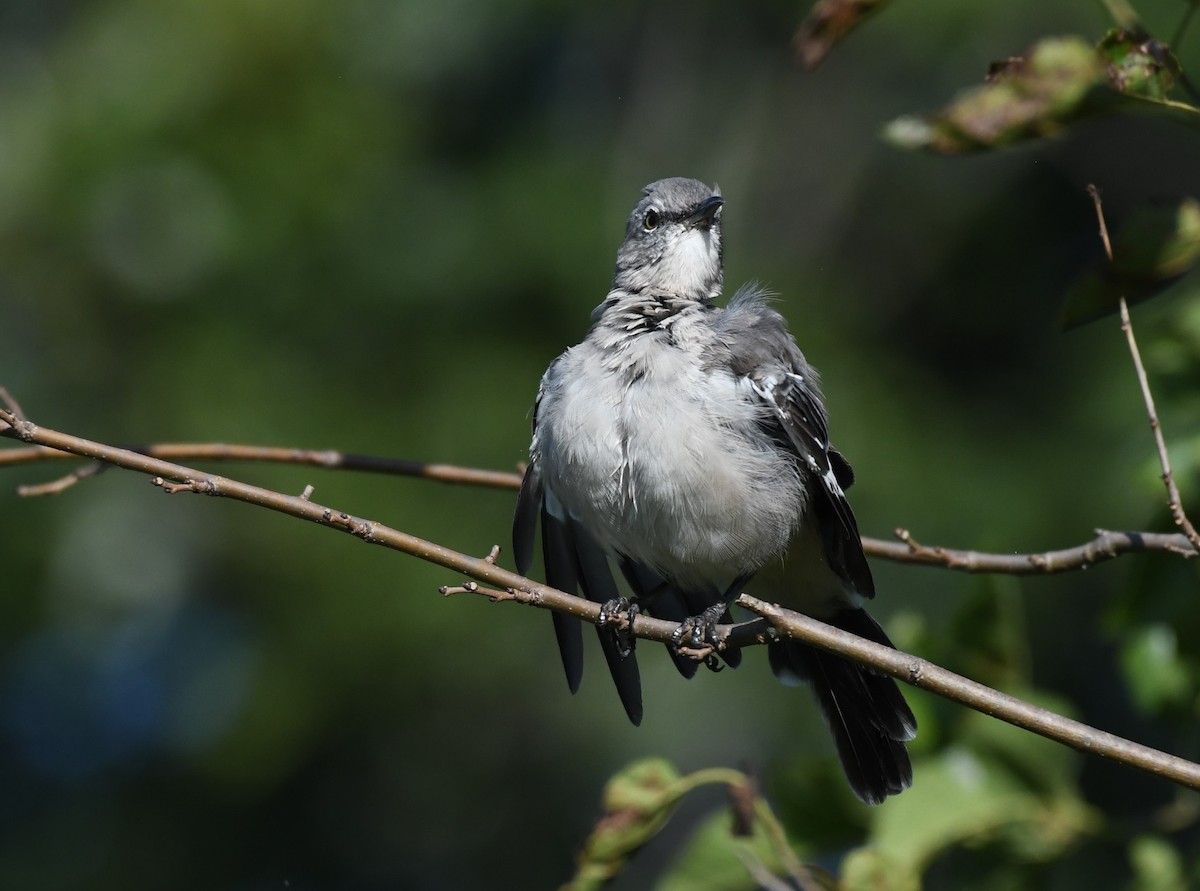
<point x="56" y="487"/>
<point x="910" y="669"/>
<point x="1174" y="500"/>
<point x="329" y="458"/>
<point x="1094" y="191"/>
<point x="475" y="588"/>
<point x="7" y="399"/>
<point x="1105" y="546"/>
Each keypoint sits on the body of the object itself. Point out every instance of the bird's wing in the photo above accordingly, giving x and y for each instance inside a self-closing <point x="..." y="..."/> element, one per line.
<point x="753" y="343"/>
<point x="795" y="404"/>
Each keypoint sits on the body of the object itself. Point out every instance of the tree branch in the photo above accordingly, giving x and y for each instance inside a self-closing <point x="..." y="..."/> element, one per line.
<point x="1174" y="500"/>
<point x="919" y="673"/>
<point x="174" y="478"/>
<point x="905" y="667"/>
<point x="1107" y="545"/>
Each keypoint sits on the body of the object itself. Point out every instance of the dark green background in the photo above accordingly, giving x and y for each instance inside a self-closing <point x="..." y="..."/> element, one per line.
<point x="370" y="225"/>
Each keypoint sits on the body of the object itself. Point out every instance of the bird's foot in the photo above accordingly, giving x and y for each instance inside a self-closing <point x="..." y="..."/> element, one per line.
<point x="617" y="616"/>
<point x="697" y="638"/>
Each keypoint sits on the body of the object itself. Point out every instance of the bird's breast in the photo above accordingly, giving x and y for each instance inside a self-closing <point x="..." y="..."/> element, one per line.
<point x="667" y="463"/>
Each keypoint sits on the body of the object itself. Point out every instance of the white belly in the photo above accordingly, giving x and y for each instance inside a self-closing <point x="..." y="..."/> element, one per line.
<point x="686" y="486"/>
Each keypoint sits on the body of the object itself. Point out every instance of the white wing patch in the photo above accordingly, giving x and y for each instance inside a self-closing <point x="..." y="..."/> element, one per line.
<point x="768" y="389"/>
<point x="832" y="484"/>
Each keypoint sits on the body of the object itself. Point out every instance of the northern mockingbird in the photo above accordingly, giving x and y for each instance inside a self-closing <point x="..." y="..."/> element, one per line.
<point x="689" y="444"/>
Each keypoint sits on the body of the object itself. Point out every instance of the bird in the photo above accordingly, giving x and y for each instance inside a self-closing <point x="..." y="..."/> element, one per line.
<point x="688" y="444"/>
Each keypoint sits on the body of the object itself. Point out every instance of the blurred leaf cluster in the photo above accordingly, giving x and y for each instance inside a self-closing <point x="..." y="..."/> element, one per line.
<point x="1057" y="82"/>
<point x="370" y="225"/>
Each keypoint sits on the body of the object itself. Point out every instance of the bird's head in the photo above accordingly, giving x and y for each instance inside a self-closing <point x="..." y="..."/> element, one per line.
<point x="673" y="241"/>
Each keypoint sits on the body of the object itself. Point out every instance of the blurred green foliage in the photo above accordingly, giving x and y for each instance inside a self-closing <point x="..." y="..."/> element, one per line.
<point x="1056" y="82"/>
<point x="370" y="225"/>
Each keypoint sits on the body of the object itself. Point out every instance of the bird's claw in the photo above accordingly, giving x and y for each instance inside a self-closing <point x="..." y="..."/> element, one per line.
<point x="617" y="615"/>
<point x="697" y="636"/>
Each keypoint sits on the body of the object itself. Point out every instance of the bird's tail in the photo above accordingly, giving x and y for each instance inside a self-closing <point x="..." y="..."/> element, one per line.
<point x="865" y="711"/>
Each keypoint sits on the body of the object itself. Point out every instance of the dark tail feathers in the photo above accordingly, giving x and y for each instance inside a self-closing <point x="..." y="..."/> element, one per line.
<point x="865" y="711"/>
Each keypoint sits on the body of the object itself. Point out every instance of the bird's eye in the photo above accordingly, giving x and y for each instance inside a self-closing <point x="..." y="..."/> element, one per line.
<point x="650" y="221"/>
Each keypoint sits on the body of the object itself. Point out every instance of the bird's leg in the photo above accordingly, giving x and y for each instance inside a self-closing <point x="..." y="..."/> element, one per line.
<point x="621" y="628"/>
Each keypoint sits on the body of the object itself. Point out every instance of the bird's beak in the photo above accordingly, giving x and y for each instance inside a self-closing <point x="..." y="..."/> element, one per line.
<point x="705" y="215"/>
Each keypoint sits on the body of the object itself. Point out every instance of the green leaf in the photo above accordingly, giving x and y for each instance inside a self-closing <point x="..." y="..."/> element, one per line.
<point x="644" y="787"/>
<point x="715" y="859"/>
<point x="1139" y="65"/>
<point x="1154" y="249"/>
<point x="867" y="869"/>
<point x="638" y="801"/>
<point x="709" y="861"/>
<point x="955" y="797"/>
<point x="964" y="798"/>
<point x="1157" y="866"/>
<point x="1150" y="661"/>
